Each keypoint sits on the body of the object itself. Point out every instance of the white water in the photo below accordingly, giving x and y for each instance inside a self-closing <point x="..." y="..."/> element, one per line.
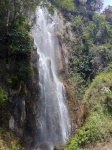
<point x="54" y="124"/>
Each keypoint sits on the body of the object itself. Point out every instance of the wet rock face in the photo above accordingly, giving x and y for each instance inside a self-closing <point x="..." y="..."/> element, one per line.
<point x="65" y="36"/>
<point x="44" y="146"/>
<point x="24" y="105"/>
<point x="17" y="110"/>
<point x="32" y="105"/>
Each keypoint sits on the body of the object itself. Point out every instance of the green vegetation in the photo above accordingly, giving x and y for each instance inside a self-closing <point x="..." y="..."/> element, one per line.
<point x="93" y="37"/>
<point x="3" y="96"/>
<point x="16" y="45"/>
<point x="8" y="141"/>
<point x="98" y="102"/>
<point x="63" y="4"/>
<point x="90" y="49"/>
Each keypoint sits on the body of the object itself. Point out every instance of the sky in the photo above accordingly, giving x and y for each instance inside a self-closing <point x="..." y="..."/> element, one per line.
<point x="107" y="2"/>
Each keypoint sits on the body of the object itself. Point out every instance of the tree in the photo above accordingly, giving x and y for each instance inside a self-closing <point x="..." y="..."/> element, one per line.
<point x="63" y="4"/>
<point x="108" y="13"/>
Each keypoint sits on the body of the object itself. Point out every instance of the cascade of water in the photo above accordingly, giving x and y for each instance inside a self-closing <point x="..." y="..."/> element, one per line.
<point x="53" y="119"/>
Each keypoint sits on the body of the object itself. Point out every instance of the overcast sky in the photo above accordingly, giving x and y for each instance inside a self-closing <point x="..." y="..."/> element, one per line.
<point x="107" y="2"/>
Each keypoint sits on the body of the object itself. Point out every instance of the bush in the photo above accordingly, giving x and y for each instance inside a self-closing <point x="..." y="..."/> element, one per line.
<point x="3" y="96"/>
<point x="8" y="141"/>
<point x="98" y="125"/>
<point x="99" y="90"/>
<point x="77" y="84"/>
<point x="64" y="4"/>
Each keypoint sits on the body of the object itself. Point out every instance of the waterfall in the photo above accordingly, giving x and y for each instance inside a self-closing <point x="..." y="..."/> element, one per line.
<point x="53" y="122"/>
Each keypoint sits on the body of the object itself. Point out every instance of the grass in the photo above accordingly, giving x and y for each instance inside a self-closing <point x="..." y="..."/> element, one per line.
<point x="8" y="141"/>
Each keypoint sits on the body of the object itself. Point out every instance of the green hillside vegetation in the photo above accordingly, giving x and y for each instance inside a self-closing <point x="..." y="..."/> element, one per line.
<point x="63" y="4"/>
<point x="98" y="103"/>
<point x="8" y="141"/>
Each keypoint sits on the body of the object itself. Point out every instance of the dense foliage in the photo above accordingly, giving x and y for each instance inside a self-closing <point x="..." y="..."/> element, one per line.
<point x="98" y="103"/>
<point x="15" y="42"/>
<point x="63" y="4"/>
<point x="90" y="48"/>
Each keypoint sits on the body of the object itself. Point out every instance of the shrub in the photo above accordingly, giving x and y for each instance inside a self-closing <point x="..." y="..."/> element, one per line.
<point x="3" y="96"/>
<point x="98" y="125"/>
